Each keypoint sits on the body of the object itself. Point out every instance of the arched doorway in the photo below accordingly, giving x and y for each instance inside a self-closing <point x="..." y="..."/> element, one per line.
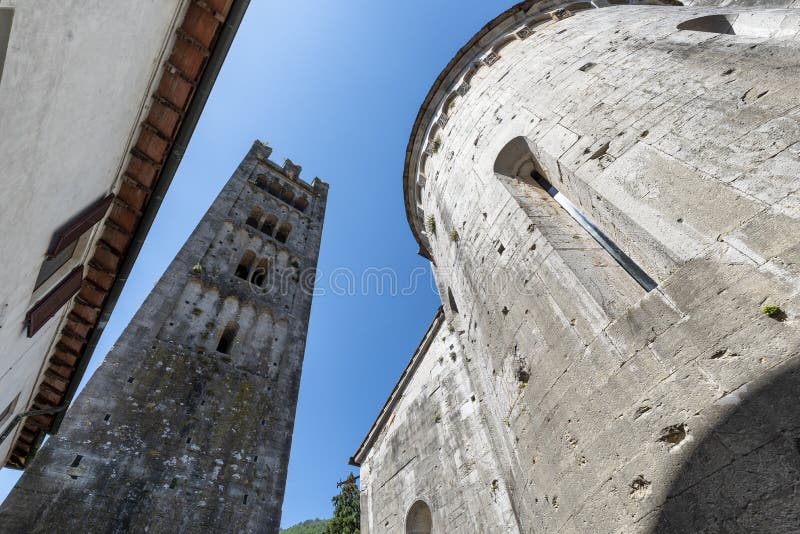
<point x="419" y="520"/>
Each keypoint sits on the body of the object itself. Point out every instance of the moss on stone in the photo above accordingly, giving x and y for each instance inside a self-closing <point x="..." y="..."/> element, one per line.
<point x="774" y="312"/>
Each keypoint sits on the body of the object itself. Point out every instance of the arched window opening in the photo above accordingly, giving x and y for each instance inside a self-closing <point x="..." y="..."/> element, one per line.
<point x="228" y="336"/>
<point x="269" y="225"/>
<point x="636" y="272"/>
<point x="243" y="269"/>
<point x="261" y="273"/>
<point x="419" y="519"/>
<point x="255" y="217"/>
<point x="283" y="232"/>
<point x="261" y="181"/>
<point x="301" y="203"/>
<point x="597" y="263"/>
<point x="274" y="189"/>
<point x="287" y="195"/>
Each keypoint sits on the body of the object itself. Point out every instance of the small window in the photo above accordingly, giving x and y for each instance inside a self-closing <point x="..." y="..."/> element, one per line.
<point x="8" y="410"/>
<point x="269" y="225"/>
<point x="274" y="188"/>
<point x="287" y="195"/>
<point x="228" y="336"/>
<point x="451" y="301"/>
<point x="6" y="17"/>
<point x="261" y="181"/>
<point x="283" y="232"/>
<point x="243" y="269"/>
<point x="301" y="203"/>
<point x="254" y="218"/>
<point x="748" y="24"/>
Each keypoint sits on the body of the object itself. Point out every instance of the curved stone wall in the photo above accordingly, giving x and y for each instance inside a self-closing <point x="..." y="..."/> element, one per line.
<point x="683" y="148"/>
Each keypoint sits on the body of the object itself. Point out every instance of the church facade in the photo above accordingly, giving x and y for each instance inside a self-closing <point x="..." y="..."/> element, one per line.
<point x="608" y="195"/>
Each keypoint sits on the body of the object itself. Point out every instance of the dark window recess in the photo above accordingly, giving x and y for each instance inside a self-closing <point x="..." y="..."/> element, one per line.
<point x="283" y="232"/>
<point x="54" y="263"/>
<point x="49" y="305"/>
<point x="226" y="341"/>
<point x="636" y="272"/>
<point x="6" y="18"/>
<point x="244" y="501"/>
<point x="301" y="203"/>
<point x="451" y="301"/>
<point x="77" y="461"/>
<point x="241" y="272"/>
<point x="107" y="417"/>
<point x="70" y="232"/>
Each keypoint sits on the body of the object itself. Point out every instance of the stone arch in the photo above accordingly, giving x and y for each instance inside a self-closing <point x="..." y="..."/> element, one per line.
<point x="419" y="519"/>
<point x="606" y="273"/>
<point x="287" y="195"/>
<point x="254" y="218"/>
<point x="301" y="203"/>
<point x="245" y="264"/>
<point x="283" y="232"/>
<point x="270" y="222"/>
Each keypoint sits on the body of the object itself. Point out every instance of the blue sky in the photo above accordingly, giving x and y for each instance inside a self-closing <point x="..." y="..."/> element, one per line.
<point x="335" y="86"/>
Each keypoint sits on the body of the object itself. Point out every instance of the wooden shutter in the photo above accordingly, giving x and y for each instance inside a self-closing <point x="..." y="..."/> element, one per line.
<point x="71" y="231"/>
<point x="48" y="306"/>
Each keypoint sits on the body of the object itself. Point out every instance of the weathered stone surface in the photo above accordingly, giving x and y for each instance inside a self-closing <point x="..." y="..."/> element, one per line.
<point x="600" y="406"/>
<point x="176" y="432"/>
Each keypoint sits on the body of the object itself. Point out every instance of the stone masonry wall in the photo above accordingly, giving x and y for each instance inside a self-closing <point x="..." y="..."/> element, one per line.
<point x="676" y="411"/>
<point x="172" y="434"/>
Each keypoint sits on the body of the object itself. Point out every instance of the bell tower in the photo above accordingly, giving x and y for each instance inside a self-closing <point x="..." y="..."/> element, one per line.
<point x="187" y="424"/>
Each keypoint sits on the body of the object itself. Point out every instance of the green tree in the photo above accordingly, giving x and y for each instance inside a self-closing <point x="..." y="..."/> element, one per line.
<point x="346" y="509"/>
<point x="311" y="526"/>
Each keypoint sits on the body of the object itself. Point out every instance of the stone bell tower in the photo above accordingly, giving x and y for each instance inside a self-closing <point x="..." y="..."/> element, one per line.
<point x="187" y="424"/>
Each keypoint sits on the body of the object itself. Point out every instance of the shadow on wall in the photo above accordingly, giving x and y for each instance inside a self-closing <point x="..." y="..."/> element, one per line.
<point x="745" y="474"/>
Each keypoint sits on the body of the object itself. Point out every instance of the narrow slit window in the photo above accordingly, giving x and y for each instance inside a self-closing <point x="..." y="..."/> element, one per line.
<point x="226" y="340"/>
<point x="6" y="18"/>
<point x="452" y="301"/>
<point x="636" y="272"/>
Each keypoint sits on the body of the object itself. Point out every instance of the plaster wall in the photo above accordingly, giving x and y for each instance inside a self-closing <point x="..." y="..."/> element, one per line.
<point x="73" y="91"/>
<point x="650" y="414"/>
